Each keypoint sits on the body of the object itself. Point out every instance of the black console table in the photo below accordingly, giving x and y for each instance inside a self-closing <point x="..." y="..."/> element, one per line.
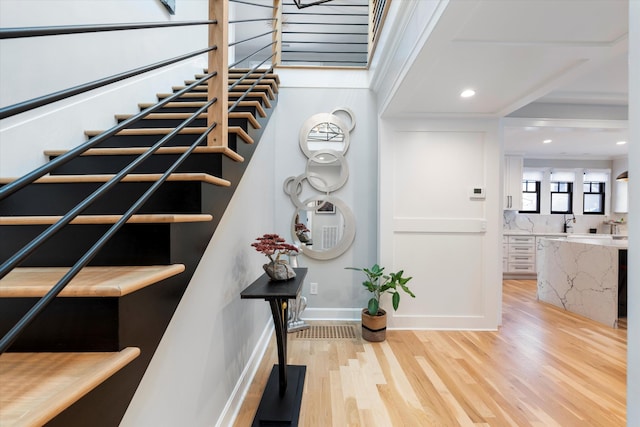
<point x="280" y="404"/>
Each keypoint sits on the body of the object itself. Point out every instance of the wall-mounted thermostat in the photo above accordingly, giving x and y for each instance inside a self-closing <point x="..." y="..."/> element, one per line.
<point x="477" y="193"/>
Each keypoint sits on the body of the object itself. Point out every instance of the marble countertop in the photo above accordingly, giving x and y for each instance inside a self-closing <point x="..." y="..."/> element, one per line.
<point x="601" y="241"/>
<point x="569" y="235"/>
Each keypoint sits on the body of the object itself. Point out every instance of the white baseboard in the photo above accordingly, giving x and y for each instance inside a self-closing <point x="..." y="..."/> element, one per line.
<point x="231" y="409"/>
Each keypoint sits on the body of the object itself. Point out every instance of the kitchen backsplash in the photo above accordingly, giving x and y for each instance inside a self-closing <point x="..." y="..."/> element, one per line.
<point x="514" y="221"/>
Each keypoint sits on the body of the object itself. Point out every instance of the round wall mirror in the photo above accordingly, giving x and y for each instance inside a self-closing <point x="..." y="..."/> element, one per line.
<point x="327" y="170"/>
<point x="324" y="131"/>
<point x="324" y="228"/>
<point x="346" y="115"/>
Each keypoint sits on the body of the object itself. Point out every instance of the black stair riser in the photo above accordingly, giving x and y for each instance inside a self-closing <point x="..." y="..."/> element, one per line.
<point x="204" y="98"/>
<point x="172" y="123"/>
<point x="123" y="141"/>
<point x="179" y="109"/>
<point x="67" y="324"/>
<point x="180" y="140"/>
<point x="75" y="324"/>
<point x="198" y="89"/>
<point x="59" y="198"/>
<point x="204" y="163"/>
<point x="133" y="244"/>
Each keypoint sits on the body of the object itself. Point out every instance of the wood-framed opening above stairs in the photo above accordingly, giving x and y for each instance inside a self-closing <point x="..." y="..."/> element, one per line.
<point x="95" y="340"/>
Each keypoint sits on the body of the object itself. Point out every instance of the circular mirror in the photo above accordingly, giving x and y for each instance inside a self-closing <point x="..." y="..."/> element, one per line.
<point x="324" y="131"/>
<point x="346" y="115"/>
<point x="327" y="170"/>
<point x="324" y="228"/>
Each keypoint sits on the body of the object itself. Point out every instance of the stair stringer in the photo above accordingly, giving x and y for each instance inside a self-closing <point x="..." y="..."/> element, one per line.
<point x="216" y="362"/>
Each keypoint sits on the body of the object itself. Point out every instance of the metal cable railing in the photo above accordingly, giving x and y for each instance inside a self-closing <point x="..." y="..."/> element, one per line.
<point x="31" y="177"/>
<point x="43" y="302"/>
<point x="325" y="33"/>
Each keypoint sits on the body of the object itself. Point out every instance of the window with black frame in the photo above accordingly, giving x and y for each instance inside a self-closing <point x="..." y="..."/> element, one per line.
<point x="530" y="196"/>
<point x="593" y="198"/>
<point x="561" y="197"/>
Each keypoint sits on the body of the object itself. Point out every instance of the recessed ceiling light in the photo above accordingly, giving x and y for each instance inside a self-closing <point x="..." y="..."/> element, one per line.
<point x="621" y="142"/>
<point x="468" y="93"/>
<point x="546" y="141"/>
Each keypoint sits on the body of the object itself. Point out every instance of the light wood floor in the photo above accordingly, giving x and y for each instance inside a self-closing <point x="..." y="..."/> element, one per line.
<point x="544" y="367"/>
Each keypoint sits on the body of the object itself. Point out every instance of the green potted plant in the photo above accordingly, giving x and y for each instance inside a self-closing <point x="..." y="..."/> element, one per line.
<point x="374" y="318"/>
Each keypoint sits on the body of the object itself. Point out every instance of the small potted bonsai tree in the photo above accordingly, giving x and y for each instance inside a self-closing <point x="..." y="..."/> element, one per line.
<point x="274" y="246"/>
<point x="374" y="319"/>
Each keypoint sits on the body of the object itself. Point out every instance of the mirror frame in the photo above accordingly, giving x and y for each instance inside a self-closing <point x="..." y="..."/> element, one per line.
<point x="347" y="237"/>
<point x="315" y="120"/>
<point x="344" y="171"/>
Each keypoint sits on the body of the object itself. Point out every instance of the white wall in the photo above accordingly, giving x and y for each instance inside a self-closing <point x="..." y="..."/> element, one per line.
<point x="215" y="341"/>
<point x="633" y="333"/>
<point x="431" y="228"/>
<point x="620" y="189"/>
<point x="304" y="93"/>
<point x="38" y="66"/>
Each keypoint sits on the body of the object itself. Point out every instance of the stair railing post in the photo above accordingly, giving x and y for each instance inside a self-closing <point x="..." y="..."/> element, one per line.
<point x="277" y="35"/>
<point x="218" y="86"/>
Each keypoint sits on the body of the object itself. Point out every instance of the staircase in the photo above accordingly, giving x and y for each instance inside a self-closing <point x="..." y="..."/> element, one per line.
<point x="80" y="361"/>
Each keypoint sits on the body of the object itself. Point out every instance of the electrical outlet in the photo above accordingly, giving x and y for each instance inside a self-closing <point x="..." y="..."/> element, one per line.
<point x="313" y="288"/>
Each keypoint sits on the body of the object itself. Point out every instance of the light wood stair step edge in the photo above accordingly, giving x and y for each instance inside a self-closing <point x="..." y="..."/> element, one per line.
<point x="106" y="219"/>
<point x="239" y="72"/>
<point x="249" y="81"/>
<point x="261" y="95"/>
<point x="110" y="281"/>
<point x="197" y="104"/>
<point x="202" y="89"/>
<point x="165" y="131"/>
<point x="180" y="177"/>
<point x="132" y="151"/>
<point x="35" y="387"/>
<point x="183" y="116"/>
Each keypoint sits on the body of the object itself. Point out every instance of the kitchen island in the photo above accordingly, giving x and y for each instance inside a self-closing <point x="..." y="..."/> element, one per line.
<point x="583" y="275"/>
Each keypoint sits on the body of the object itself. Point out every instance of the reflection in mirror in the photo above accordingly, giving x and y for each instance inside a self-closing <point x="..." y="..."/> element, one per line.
<point x="324" y="228"/>
<point x="327" y="170"/>
<point x="324" y="131"/>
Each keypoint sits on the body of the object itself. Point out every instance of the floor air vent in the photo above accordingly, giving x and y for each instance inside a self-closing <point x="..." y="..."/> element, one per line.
<point x="327" y="332"/>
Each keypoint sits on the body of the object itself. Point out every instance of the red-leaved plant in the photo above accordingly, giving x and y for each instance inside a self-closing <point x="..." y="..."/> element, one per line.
<point x="273" y="244"/>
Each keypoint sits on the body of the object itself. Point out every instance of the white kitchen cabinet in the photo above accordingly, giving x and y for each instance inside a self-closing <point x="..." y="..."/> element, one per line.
<point x="513" y="182"/>
<point x="521" y="254"/>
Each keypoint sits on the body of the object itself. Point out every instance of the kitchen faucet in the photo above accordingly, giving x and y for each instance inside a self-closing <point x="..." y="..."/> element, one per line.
<point x="565" y="225"/>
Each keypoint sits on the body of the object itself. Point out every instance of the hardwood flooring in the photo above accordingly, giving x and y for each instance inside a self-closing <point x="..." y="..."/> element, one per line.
<point x="543" y="367"/>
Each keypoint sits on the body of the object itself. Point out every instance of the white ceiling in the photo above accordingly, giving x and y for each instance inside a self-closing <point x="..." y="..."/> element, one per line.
<point x="514" y="53"/>
<point x="539" y="59"/>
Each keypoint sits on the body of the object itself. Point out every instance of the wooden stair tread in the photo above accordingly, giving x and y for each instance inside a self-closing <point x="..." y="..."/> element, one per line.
<point x="267" y="81"/>
<point x="239" y="72"/>
<point x="50" y="179"/>
<point x="35" y="387"/>
<point x="165" y="131"/>
<point x="197" y="104"/>
<point x="261" y="95"/>
<point x="111" y="281"/>
<point x="202" y="89"/>
<point x="106" y="219"/>
<point x="183" y="116"/>
<point x="127" y="151"/>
